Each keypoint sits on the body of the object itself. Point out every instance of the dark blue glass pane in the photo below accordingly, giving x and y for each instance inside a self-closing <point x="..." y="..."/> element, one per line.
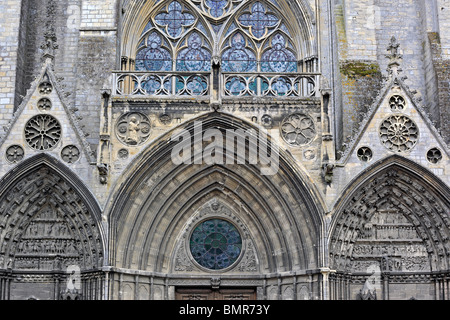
<point x="281" y="86"/>
<point x="179" y="85"/>
<point x="216" y="244"/>
<point x="151" y="85"/>
<point x="197" y="85"/>
<point x="235" y="86"/>
<point x="216" y="7"/>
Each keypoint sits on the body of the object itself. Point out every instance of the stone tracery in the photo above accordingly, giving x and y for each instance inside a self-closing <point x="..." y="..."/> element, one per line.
<point x="399" y="133"/>
<point x="255" y="23"/>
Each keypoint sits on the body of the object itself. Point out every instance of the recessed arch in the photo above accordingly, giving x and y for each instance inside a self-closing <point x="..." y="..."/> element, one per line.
<point x="156" y="197"/>
<point x="45" y="204"/>
<point x="396" y="201"/>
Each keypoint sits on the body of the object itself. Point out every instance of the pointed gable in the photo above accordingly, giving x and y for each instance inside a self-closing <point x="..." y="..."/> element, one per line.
<point x="397" y="125"/>
<point x="44" y="123"/>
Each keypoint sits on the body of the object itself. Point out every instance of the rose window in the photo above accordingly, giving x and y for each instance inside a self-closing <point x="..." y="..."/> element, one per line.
<point x="399" y="133"/>
<point x="216" y="244"/>
<point x="42" y="132"/>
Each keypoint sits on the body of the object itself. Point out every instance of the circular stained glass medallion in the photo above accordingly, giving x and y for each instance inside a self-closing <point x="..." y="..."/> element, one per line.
<point x="215" y="244"/>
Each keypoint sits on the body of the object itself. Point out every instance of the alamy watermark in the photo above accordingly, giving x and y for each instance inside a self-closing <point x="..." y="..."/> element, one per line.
<point x="229" y="147"/>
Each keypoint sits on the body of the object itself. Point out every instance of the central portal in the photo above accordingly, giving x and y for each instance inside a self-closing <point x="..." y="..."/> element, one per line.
<point x="216" y="294"/>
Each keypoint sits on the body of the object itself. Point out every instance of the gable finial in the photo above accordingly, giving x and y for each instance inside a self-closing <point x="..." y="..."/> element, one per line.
<point x="394" y="57"/>
<point x="49" y="45"/>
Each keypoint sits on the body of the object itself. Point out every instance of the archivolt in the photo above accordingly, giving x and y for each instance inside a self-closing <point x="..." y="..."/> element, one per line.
<point x="41" y="182"/>
<point x="405" y="187"/>
<point x="157" y="198"/>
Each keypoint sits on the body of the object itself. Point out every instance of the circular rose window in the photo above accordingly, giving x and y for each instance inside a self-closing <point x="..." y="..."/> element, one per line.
<point x="42" y="132"/>
<point x="399" y="133"/>
<point x="215" y="244"/>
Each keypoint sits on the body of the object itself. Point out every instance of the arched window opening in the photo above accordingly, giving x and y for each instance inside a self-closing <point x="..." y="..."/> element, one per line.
<point x="248" y="44"/>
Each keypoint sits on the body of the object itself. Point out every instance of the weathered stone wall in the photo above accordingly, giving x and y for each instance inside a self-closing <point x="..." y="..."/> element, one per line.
<point x="9" y="38"/>
<point x="39" y="17"/>
<point x="361" y="79"/>
<point x="364" y="30"/>
<point x="353" y="35"/>
<point x="440" y="69"/>
<point x="85" y="54"/>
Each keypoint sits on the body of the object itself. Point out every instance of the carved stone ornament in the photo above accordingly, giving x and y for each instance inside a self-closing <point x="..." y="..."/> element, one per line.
<point x="298" y="129"/>
<point x="43" y="132"/>
<point x="103" y="170"/>
<point x="44" y="104"/>
<point x="123" y="154"/>
<point x="393" y="221"/>
<point x="45" y="88"/>
<point x="133" y="129"/>
<point x="70" y="154"/>
<point x="215" y="282"/>
<point x="266" y="120"/>
<point x="165" y="119"/>
<point x="367" y="293"/>
<point x="397" y="103"/>
<point x="47" y="226"/>
<point x="15" y="154"/>
<point x="327" y="172"/>
<point x="309" y="154"/>
<point x="399" y="133"/>
<point x="434" y="155"/>
<point x="364" y="154"/>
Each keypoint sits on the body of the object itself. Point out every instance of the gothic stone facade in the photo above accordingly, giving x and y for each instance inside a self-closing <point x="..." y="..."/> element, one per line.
<point x="352" y="95"/>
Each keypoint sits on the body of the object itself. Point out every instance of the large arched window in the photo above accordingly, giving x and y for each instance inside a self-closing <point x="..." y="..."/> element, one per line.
<point x="251" y="43"/>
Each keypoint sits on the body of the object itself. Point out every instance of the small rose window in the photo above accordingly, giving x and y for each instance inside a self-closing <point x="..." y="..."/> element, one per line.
<point x="215" y="244"/>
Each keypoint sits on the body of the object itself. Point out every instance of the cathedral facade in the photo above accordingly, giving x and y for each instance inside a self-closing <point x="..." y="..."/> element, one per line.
<point x="224" y="149"/>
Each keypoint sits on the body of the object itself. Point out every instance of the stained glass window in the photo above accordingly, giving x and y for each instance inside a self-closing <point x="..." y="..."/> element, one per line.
<point x="154" y="57"/>
<point x="215" y="244"/>
<point x="216" y="7"/>
<point x="238" y="58"/>
<point x="278" y="58"/>
<point x="194" y="57"/>
<point x="249" y="37"/>
<point x="174" y="19"/>
<point x="258" y="20"/>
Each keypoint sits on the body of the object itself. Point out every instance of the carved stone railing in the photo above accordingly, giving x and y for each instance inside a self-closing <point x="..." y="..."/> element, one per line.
<point x="169" y="84"/>
<point x="185" y="84"/>
<point x="303" y="85"/>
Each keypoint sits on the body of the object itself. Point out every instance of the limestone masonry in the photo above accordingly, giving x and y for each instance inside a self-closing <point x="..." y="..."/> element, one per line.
<point x="347" y="99"/>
